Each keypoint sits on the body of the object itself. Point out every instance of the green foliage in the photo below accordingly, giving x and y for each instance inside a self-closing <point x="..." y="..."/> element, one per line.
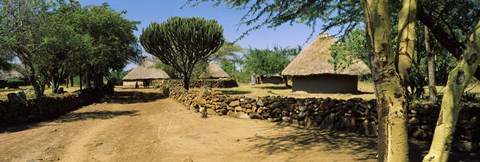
<point x="267" y="61"/>
<point x="183" y="42"/>
<point x="353" y="46"/>
<point x="116" y="77"/>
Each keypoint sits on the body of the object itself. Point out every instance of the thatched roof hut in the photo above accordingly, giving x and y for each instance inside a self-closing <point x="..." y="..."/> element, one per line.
<point x="214" y="71"/>
<point x="313" y="73"/>
<point x="144" y="74"/>
<point x="14" y="73"/>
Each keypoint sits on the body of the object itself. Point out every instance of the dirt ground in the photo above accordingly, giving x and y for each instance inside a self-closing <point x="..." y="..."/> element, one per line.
<point x="144" y="126"/>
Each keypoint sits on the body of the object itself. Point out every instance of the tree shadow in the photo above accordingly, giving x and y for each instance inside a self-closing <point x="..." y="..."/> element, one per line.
<point x="235" y="92"/>
<point x="129" y="97"/>
<point x="363" y="147"/>
<point x="101" y="115"/>
<point x="274" y="87"/>
<point x="70" y="117"/>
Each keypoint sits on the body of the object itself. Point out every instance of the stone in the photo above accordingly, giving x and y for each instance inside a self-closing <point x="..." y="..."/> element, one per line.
<point x="273" y="119"/>
<point x="413" y="121"/>
<point x="210" y="111"/>
<point x="466" y="146"/>
<point x="241" y="115"/>
<point x="202" y="101"/>
<point x="254" y="108"/>
<point x="260" y="110"/>
<point x="248" y="110"/>
<point x="234" y="103"/>
<point x="260" y="102"/>
<point x="230" y="113"/>
<point x="254" y="115"/>
<point x="286" y="119"/>
<point x="302" y="108"/>
<point x="17" y="98"/>
<point x="238" y="109"/>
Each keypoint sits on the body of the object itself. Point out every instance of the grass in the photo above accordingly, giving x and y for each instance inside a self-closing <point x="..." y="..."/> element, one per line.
<point x="366" y="91"/>
<point x="245" y="89"/>
<point x="31" y="94"/>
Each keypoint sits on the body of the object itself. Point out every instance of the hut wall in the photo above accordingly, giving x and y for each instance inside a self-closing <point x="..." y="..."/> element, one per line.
<point x="272" y="79"/>
<point x="325" y="83"/>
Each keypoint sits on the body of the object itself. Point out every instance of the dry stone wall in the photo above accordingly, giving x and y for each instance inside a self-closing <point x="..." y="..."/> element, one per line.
<point x="213" y="83"/>
<point x="353" y="115"/>
<point x="12" y="113"/>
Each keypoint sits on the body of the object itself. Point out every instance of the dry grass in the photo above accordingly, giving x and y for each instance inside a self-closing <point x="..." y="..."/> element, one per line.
<point x="31" y="94"/>
<point x="366" y="91"/>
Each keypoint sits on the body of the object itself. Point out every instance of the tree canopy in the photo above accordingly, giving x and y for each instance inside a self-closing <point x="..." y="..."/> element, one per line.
<point x="183" y="42"/>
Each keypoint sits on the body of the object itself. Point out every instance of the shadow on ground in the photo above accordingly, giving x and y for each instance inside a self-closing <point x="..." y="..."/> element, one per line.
<point x="102" y="115"/>
<point x="302" y="139"/>
<point x="235" y="92"/>
<point x="129" y="97"/>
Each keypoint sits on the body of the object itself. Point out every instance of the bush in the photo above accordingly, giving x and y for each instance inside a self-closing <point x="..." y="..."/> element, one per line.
<point x="14" y="83"/>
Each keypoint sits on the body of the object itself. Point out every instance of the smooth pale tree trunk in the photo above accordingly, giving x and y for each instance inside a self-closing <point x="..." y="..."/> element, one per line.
<point x="458" y="79"/>
<point x="406" y="39"/>
<point x="391" y="102"/>
<point x="430" y="67"/>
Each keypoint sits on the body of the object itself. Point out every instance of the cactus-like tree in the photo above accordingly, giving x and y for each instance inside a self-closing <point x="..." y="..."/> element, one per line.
<point x="183" y="42"/>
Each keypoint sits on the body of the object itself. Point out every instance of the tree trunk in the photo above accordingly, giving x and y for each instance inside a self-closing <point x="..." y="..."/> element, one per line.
<point x="285" y="80"/>
<point x="430" y="67"/>
<point x="391" y="102"/>
<point x="406" y="40"/>
<point x="186" y="82"/>
<point x="33" y="80"/>
<point x="71" y="81"/>
<point x="458" y="79"/>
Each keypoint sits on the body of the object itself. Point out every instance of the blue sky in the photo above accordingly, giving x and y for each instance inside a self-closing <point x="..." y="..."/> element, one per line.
<point x="148" y="11"/>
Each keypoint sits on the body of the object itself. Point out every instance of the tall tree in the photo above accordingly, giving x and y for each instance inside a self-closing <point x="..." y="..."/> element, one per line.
<point x="114" y="43"/>
<point x="182" y="42"/>
<point x="406" y="36"/>
<point x="21" y="34"/>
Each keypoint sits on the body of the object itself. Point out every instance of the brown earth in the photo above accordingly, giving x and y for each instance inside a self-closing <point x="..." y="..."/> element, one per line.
<point x="144" y="126"/>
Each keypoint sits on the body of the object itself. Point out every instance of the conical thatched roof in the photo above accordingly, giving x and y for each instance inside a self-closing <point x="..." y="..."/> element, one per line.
<point x="14" y="73"/>
<point x="146" y="70"/>
<point x="215" y="71"/>
<point x="313" y="60"/>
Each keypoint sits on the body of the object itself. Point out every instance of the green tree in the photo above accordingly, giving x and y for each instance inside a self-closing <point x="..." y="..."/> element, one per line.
<point x="114" y="43"/>
<point x="182" y="42"/>
<point x="21" y="33"/>
<point x="61" y="46"/>
<point x="268" y="61"/>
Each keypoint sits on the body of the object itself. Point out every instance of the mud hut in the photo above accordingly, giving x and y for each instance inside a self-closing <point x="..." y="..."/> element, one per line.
<point x="143" y="75"/>
<point x="312" y="73"/>
<point x="214" y="71"/>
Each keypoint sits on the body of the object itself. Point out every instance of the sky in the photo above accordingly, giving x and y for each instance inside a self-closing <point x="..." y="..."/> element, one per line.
<point x="148" y="11"/>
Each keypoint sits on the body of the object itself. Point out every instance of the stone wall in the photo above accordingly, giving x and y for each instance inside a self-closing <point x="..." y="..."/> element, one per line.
<point x="213" y="83"/>
<point x="12" y="113"/>
<point x="353" y="115"/>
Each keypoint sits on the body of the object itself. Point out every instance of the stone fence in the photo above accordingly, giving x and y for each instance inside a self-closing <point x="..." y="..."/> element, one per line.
<point x="12" y="113"/>
<point x="353" y="115"/>
<point x="213" y="83"/>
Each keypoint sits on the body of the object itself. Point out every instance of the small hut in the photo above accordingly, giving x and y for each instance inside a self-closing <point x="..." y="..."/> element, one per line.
<point x="312" y="73"/>
<point x="214" y="71"/>
<point x="144" y="74"/>
<point x="17" y="73"/>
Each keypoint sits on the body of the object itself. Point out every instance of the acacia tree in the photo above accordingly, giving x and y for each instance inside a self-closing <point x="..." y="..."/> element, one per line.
<point x="182" y="42"/>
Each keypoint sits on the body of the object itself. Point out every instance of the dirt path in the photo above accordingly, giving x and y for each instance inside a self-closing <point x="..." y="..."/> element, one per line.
<point x="141" y="126"/>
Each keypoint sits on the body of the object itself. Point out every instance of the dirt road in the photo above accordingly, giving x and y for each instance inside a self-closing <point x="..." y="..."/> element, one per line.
<point x="143" y="126"/>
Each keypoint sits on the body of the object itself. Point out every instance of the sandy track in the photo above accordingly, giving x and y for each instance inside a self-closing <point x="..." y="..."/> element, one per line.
<point x="141" y="126"/>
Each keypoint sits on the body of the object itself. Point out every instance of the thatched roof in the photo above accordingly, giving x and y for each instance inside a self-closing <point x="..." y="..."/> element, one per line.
<point x="215" y="71"/>
<point x="146" y="70"/>
<point x="313" y="60"/>
<point x="14" y="73"/>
